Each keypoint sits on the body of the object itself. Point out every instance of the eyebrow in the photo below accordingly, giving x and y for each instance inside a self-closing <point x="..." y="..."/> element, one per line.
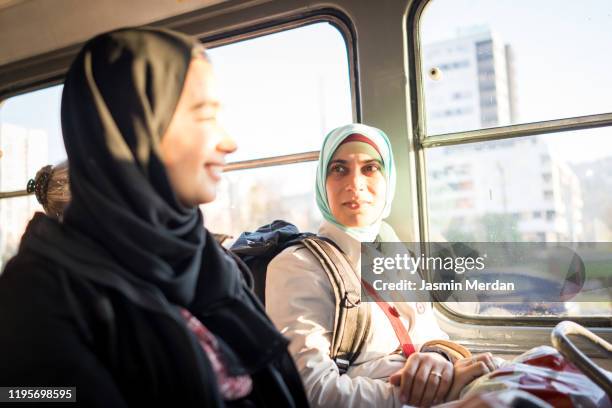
<point x="205" y="104"/>
<point x="341" y="161"/>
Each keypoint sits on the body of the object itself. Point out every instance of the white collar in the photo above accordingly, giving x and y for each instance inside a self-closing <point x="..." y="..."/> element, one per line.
<point x="349" y="245"/>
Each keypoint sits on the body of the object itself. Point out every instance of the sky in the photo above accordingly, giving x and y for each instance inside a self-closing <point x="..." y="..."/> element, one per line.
<point x="284" y="92"/>
<point x="562" y="59"/>
<point x="38" y="110"/>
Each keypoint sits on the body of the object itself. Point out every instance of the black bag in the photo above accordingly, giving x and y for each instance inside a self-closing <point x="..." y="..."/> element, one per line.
<point x="258" y="248"/>
<point x="351" y="318"/>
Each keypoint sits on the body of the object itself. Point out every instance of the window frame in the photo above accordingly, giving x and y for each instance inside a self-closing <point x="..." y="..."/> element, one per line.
<point x="423" y="141"/>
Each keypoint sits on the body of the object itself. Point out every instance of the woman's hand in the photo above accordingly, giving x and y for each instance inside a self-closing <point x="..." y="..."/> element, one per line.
<point x="467" y="370"/>
<point x="424" y="380"/>
<point x="486" y="358"/>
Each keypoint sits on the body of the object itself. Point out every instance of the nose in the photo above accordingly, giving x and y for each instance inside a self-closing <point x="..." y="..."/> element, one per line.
<point x="227" y="144"/>
<point x="356" y="182"/>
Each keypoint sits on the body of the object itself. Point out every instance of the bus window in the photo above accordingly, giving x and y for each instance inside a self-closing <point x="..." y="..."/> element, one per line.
<point x="247" y="199"/>
<point x="30" y="138"/>
<point x="529" y="189"/>
<point x="480" y="69"/>
<point x="548" y="180"/>
<point x="282" y="93"/>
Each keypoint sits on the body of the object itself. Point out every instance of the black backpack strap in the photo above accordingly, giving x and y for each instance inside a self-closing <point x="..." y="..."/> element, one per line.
<point x="351" y="318"/>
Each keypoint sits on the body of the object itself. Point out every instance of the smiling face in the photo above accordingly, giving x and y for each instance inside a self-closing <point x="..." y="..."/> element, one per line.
<point x="355" y="185"/>
<point x="194" y="147"/>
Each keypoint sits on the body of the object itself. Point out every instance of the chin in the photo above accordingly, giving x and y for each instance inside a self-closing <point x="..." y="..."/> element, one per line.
<point x="209" y="198"/>
<point x="356" y="222"/>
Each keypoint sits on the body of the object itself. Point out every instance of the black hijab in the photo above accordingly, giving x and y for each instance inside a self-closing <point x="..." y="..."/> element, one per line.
<point x="124" y="227"/>
<point x="119" y="97"/>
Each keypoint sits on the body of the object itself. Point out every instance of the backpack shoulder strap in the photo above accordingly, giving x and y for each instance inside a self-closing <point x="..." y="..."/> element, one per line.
<point x="352" y="317"/>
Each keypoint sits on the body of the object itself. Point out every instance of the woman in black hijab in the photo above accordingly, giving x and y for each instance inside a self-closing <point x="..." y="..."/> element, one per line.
<point x="130" y="300"/>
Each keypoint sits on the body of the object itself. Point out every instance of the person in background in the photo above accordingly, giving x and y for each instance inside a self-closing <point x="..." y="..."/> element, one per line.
<point x="52" y="189"/>
<point x="129" y="299"/>
<point x="414" y="364"/>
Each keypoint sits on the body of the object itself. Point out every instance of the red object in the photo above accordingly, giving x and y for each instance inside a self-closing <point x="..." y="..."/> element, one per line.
<point x="553" y="361"/>
<point x="231" y="388"/>
<point x="546" y="374"/>
<point x="393" y="316"/>
<point x="356" y="137"/>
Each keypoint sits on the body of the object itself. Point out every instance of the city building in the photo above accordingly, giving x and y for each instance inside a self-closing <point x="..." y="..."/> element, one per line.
<point x="504" y="190"/>
<point x="508" y="190"/>
<point x="475" y="88"/>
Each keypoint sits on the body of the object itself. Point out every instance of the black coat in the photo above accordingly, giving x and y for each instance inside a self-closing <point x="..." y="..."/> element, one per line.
<point x="61" y="329"/>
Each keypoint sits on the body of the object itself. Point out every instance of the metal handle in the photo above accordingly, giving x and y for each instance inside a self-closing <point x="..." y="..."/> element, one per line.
<point x="560" y="341"/>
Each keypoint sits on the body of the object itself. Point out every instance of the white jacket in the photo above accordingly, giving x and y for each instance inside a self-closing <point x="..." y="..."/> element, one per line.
<point x="300" y="301"/>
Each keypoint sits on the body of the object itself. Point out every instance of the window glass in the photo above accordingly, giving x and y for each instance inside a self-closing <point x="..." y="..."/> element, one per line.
<point x="30" y="127"/>
<point x="283" y="92"/>
<point x="248" y="199"/>
<point x="30" y="138"/>
<point x="495" y="63"/>
<point x="547" y="188"/>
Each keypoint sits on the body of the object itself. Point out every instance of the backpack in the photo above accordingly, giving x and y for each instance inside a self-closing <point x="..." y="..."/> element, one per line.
<point x="351" y="318"/>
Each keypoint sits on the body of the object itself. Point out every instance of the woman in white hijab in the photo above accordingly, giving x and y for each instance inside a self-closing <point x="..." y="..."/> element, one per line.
<point x="355" y="188"/>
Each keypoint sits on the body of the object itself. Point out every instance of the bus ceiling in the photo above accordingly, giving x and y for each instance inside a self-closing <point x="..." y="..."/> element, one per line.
<point x="32" y="27"/>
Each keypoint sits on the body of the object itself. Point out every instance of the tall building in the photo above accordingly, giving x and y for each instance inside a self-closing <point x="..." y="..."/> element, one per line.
<point x="477" y="87"/>
<point x="24" y="151"/>
<point x="509" y="190"/>
<point x="505" y="190"/>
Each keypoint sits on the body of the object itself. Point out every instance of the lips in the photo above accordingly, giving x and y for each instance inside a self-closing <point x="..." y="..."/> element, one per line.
<point x="214" y="170"/>
<point x="355" y="204"/>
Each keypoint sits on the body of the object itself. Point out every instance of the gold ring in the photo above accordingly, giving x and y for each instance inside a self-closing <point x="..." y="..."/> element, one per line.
<point x="436" y="374"/>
